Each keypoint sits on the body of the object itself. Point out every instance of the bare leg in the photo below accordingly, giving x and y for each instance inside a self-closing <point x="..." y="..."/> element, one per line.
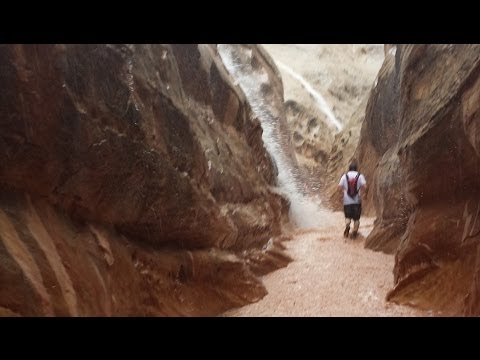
<point x="356" y="225"/>
<point x="347" y="227"/>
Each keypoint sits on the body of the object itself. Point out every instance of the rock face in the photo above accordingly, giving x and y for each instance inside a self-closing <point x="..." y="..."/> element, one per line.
<point x="339" y="158"/>
<point x="420" y="145"/>
<point x="342" y="75"/>
<point x="311" y="136"/>
<point x="133" y="177"/>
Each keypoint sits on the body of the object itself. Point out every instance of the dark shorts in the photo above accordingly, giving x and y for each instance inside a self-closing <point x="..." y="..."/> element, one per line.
<point x="353" y="211"/>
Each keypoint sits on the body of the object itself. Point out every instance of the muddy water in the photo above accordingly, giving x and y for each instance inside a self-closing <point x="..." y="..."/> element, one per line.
<point x="330" y="277"/>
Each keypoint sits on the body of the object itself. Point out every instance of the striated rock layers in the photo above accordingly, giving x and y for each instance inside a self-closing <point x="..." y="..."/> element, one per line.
<point x="133" y="181"/>
<point x="420" y="145"/>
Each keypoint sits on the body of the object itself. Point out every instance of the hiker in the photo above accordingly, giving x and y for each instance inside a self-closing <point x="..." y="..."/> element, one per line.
<point x="350" y="184"/>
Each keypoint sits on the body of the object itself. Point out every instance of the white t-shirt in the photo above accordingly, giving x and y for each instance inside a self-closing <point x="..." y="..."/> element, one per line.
<point x="347" y="200"/>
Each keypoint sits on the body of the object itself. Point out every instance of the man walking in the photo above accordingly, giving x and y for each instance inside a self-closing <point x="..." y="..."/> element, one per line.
<point x="350" y="184"/>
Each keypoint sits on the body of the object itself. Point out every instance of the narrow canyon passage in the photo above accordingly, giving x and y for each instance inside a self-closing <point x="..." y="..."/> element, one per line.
<point x="202" y="179"/>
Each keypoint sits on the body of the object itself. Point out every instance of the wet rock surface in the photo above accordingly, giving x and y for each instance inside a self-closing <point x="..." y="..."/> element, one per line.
<point x="133" y="177"/>
<point x="419" y="145"/>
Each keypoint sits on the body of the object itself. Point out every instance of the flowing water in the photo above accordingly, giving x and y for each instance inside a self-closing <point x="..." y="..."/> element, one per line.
<point x="305" y="212"/>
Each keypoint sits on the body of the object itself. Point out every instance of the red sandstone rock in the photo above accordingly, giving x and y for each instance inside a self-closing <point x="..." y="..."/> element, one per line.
<point x="131" y="176"/>
<point x="419" y="145"/>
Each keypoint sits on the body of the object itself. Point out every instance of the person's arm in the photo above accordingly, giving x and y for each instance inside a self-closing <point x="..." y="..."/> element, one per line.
<point x="364" y="188"/>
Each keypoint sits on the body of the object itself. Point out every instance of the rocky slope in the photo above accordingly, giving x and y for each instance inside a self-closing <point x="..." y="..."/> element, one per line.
<point x="420" y="146"/>
<point x="343" y="75"/>
<point x="134" y="181"/>
<point x="341" y="155"/>
<point x="312" y="137"/>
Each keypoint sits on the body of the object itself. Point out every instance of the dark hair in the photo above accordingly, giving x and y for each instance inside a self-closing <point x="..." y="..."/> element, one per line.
<point x="352" y="167"/>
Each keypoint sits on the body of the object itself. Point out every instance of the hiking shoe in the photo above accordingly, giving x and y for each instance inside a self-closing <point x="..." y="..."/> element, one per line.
<point x="354" y="234"/>
<point x="347" y="230"/>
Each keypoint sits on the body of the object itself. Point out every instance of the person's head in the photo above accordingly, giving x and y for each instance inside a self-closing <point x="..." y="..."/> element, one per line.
<point x="352" y="167"/>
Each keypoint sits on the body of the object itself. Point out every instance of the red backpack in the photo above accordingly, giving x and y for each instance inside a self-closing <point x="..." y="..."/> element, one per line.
<point x="352" y="189"/>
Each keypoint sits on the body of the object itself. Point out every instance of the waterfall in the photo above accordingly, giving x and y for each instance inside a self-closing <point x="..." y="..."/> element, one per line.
<point x="304" y="212"/>
<point x="319" y="99"/>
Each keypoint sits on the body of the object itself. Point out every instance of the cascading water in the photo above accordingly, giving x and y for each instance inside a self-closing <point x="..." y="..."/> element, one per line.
<point x="237" y="59"/>
<point x="322" y="104"/>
